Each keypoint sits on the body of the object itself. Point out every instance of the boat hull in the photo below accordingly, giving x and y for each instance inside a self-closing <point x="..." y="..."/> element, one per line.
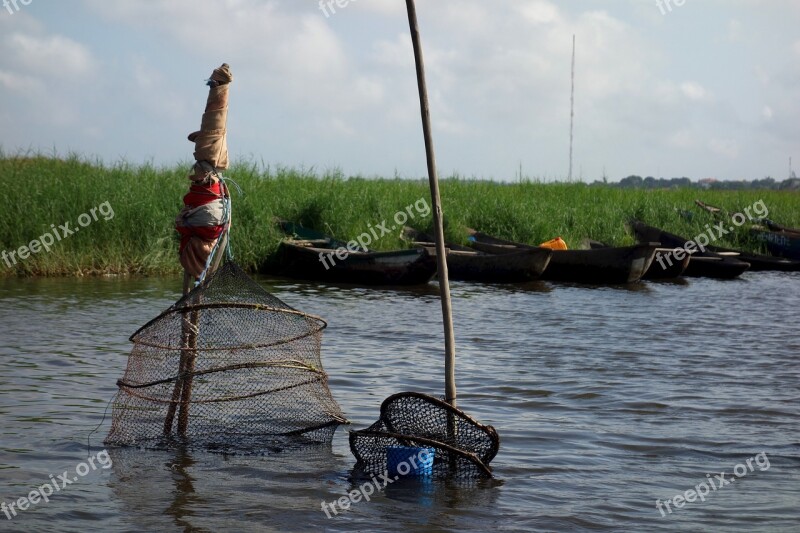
<point x="715" y="267"/>
<point x="665" y="265"/>
<point x="404" y="267"/>
<point x="599" y="266"/>
<point x="781" y="243"/>
<point x="522" y="266"/>
<point x="758" y="262"/>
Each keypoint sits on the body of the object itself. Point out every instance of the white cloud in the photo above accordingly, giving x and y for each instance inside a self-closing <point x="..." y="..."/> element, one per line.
<point x="734" y="30"/>
<point x="796" y="47"/>
<point x="21" y="83"/>
<point x="46" y="71"/>
<point x="725" y="147"/>
<point x="682" y="139"/>
<point x="382" y="7"/>
<point x="48" y="55"/>
<point x="694" y="91"/>
<point x="767" y="112"/>
<point x="538" y="12"/>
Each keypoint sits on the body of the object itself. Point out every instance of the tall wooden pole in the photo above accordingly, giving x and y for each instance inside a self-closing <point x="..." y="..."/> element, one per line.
<point x="441" y="254"/>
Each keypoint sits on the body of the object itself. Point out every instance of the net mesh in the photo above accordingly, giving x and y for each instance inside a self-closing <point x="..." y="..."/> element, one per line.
<point x="463" y="447"/>
<point x="228" y="367"/>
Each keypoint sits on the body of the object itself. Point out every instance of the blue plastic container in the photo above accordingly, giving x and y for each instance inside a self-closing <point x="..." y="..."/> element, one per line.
<point x="408" y="461"/>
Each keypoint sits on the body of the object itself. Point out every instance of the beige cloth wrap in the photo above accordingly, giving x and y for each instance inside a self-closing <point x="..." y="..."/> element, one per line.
<point x="195" y="255"/>
<point x="210" y="143"/>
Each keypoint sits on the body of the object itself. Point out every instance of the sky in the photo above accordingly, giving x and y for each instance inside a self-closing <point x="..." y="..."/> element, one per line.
<point x="696" y="88"/>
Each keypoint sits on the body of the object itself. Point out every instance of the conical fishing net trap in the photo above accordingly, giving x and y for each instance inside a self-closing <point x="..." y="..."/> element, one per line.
<point x="228" y="367"/>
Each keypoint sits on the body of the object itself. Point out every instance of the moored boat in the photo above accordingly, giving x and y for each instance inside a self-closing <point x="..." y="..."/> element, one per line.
<point x="305" y="260"/>
<point x="595" y="266"/>
<point x="468" y="264"/>
<point x="715" y="267"/>
<point x="758" y="262"/>
<point x="784" y="243"/>
<point x="664" y="266"/>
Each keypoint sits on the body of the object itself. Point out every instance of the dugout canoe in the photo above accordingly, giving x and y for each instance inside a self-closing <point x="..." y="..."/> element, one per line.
<point x="598" y="266"/>
<point x="784" y="243"/>
<point x="715" y="267"/>
<point x="758" y="262"/>
<point x="664" y="266"/>
<point x="468" y="264"/>
<point x="309" y="261"/>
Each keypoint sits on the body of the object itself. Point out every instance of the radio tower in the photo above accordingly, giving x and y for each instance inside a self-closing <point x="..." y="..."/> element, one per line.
<point x="571" y="110"/>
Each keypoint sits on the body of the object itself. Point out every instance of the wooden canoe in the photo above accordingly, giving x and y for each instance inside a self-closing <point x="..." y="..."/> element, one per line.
<point x="715" y="267"/>
<point x="758" y="262"/>
<point x="666" y="266"/>
<point x="784" y="243"/>
<point x="599" y="266"/>
<point x="467" y="264"/>
<point x="303" y="260"/>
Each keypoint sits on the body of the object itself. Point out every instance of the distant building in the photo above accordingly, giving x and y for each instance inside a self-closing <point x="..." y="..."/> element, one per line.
<point x="707" y="183"/>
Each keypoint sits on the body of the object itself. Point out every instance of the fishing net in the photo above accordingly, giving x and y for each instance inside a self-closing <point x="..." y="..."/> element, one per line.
<point x="463" y="448"/>
<point x="228" y="367"/>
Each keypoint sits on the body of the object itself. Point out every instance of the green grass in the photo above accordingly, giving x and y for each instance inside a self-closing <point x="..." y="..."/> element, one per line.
<point x="140" y="239"/>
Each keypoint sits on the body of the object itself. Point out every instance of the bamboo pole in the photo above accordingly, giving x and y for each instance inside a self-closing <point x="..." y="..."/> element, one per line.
<point x="194" y="325"/>
<point x="188" y="373"/>
<point x="441" y="254"/>
<point x="186" y="328"/>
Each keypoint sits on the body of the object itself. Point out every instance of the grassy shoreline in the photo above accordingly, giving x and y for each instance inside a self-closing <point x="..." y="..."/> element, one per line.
<point x="139" y="238"/>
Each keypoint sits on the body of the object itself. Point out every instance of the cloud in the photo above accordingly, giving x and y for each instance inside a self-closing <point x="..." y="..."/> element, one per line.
<point x="734" y="30"/>
<point x="694" y="91"/>
<point x="48" y="55"/>
<point x="682" y="139"/>
<point x="539" y="12"/>
<point x="44" y="70"/>
<point x="725" y="147"/>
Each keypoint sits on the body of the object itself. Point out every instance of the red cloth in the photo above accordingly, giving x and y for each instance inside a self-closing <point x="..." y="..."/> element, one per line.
<point x="197" y="242"/>
<point x="202" y="194"/>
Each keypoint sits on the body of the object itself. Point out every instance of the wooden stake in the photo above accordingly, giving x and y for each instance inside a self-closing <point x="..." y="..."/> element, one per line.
<point x="185" y="334"/>
<point x="441" y="254"/>
<point x="194" y="325"/>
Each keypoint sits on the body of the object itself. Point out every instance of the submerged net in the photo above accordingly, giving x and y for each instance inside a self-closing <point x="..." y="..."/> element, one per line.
<point x="463" y="447"/>
<point x="228" y="367"/>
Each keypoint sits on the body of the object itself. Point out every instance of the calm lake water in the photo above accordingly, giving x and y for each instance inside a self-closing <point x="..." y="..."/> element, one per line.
<point x="606" y="400"/>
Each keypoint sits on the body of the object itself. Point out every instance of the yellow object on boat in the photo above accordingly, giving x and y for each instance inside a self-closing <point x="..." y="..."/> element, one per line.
<point x="555" y="244"/>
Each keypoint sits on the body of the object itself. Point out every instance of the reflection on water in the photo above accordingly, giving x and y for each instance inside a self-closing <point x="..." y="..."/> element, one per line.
<point x="606" y="400"/>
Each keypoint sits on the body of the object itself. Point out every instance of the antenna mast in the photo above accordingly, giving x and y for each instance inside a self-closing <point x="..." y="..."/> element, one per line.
<point x="571" y="110"/>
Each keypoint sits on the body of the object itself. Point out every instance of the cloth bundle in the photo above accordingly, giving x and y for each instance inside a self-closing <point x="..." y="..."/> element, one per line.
<point x="205" y="215"/>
